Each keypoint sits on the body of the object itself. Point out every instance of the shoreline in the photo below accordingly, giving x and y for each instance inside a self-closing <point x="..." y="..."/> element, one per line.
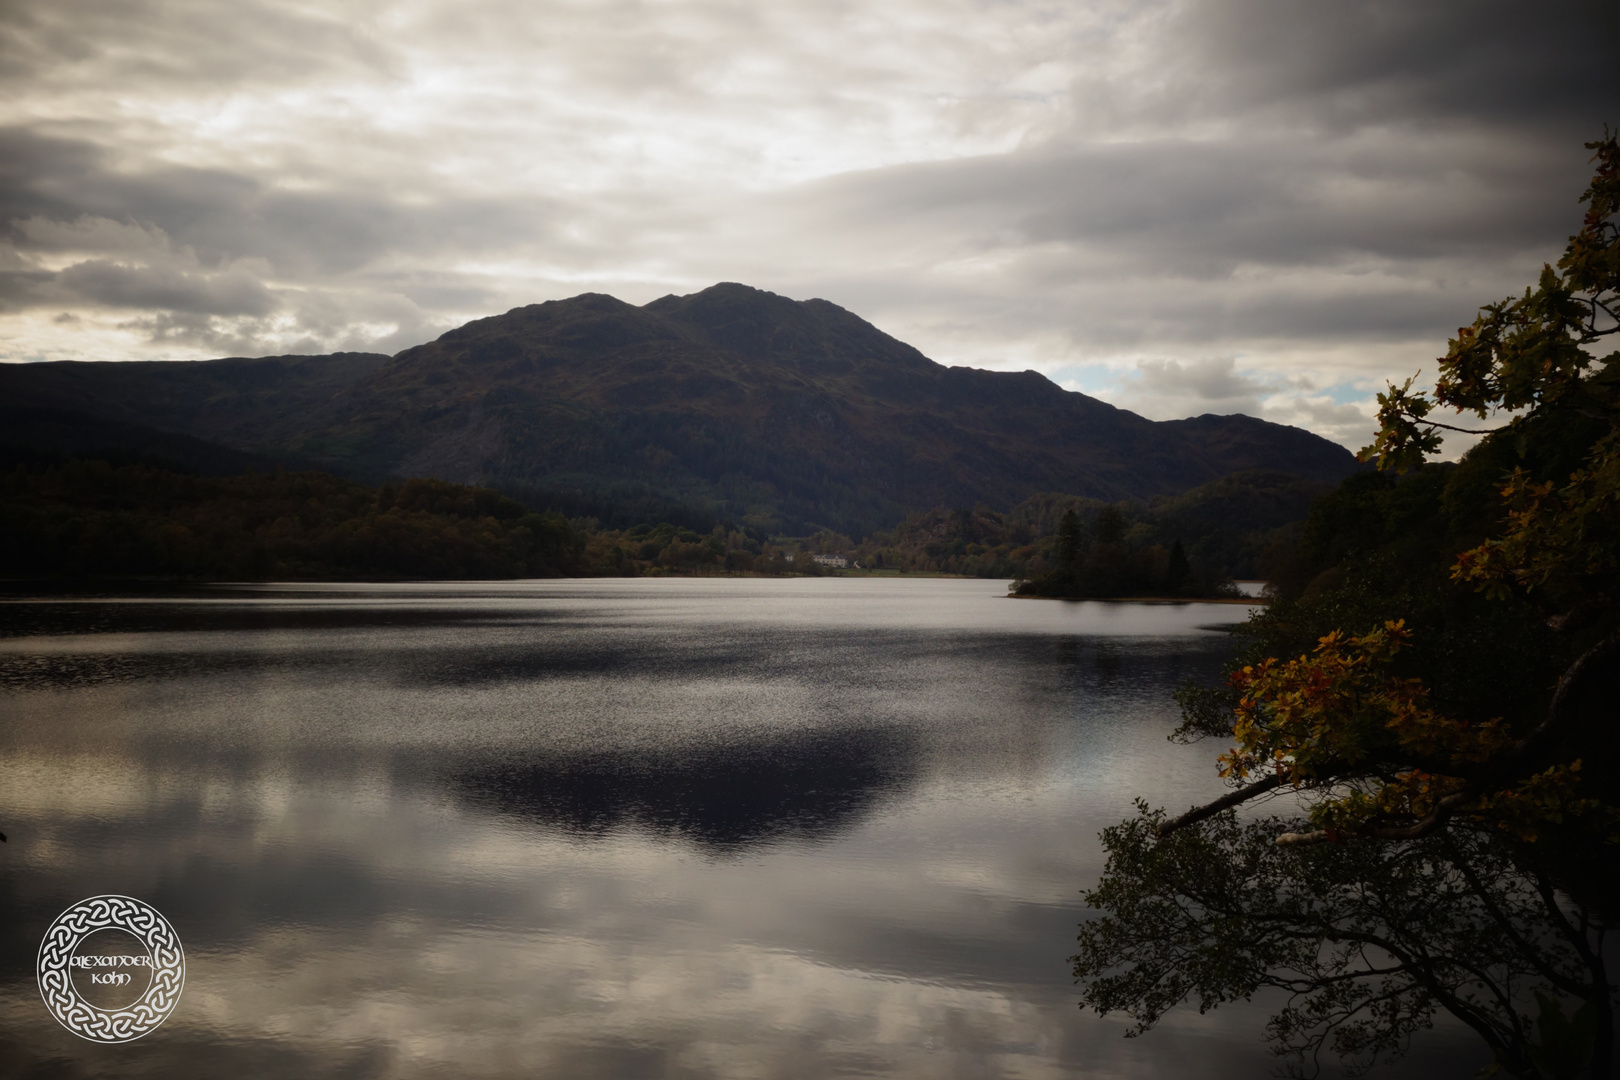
<point x="1252" y="601"/>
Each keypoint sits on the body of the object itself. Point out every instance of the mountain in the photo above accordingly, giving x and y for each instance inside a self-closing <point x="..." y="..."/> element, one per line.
<point x="776" y="413"/>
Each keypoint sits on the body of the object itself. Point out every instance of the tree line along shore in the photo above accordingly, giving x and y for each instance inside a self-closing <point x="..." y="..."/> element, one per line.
<point x="106" y="515"/>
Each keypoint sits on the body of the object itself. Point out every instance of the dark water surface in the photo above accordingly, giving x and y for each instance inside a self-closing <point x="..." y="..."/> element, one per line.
<point x="672" y="828"/>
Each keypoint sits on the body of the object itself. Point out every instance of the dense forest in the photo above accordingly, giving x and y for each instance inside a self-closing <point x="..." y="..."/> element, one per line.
<point x="92" y="517"/>
<point x="107" y="517"/>
<point x="1109" y="567"/>
<point x="1191" y="544"/>
<point x="1421" y="734"/>
<point x="106" y="514"/>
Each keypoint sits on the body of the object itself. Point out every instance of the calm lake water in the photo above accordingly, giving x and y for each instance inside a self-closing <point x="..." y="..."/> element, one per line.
<point x="667" y="828"/>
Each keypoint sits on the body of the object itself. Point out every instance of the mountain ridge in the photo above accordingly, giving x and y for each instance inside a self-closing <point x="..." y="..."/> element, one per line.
<point x="782" y="414"/>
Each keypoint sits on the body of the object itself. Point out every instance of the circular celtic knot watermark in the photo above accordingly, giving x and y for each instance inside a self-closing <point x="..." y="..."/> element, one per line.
<point x="164" y="960"/>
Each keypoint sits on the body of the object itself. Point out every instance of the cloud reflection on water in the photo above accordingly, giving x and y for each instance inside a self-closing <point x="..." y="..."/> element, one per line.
<point x="796" y="830"/>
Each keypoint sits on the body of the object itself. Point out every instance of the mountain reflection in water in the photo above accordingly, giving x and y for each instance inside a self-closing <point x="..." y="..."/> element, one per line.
<point x="697" y="828"/>
<point x="807" y="787"/>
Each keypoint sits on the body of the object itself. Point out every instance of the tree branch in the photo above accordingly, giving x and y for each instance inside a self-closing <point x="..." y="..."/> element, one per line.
<point x="1422" y="827"/>
<point x="1531" y="954"/>
<point x="1225" y="802"/>
<point x="1597" y="305"/>
<point x="1464" y="430"/>
<point x="1562" y="711"/>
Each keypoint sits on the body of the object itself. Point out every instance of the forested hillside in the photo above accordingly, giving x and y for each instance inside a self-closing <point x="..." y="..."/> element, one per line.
<point x="127" y="514"/>
<point x="784" y="417"/>
<point x="93" y="518"/>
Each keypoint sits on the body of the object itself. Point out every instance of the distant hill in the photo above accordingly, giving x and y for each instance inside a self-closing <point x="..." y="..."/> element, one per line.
<point x="779" y="414"/>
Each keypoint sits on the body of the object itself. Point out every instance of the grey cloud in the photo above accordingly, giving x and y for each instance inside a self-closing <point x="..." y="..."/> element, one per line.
<point x="1172" y="388"/>
<point x="1168" y="389"/>
<point x="332" y="317"/>
<point x="1195" y="209"/>
<point x="227" y="216"/>
<point x="171" y="241"/>
<point x="23" y="288"/>
<point x="1550" y="66"/>
<point x="1349" y="425"/>
<point x="184" y="43"/>
<point x="1212" y="380"/>
<point x="408" y="334"/>
<point x="34" y="166"/>
<point x="438" y="290"/>
<point x="1203" y="178"/>
<point x="233" y="292"/>
<point x="1398" y="151"/>
<point x="90" y="234"/>
<point x="1163" y="243"/>
<point x="220" y="336"/>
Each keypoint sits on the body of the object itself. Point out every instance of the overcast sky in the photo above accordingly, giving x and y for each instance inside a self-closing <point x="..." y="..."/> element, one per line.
<point x="1259" y="206"/>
